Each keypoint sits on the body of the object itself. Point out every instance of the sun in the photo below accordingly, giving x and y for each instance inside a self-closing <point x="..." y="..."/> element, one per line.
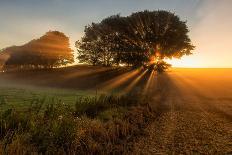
<point x="184" y="62"/>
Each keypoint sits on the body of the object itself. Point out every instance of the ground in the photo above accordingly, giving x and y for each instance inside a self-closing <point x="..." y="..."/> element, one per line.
<point x="194" y="106"/>
<point x="196" y="115"/>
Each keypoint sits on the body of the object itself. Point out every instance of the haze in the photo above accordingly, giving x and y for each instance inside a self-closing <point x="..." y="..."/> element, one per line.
<point x="209" y="22"/>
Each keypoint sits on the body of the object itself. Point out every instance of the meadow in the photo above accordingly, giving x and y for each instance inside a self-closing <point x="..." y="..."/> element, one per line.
<point x="43" y="119"/>
<point x="67" y="124"/>
<point x="87" y="110"/>
<point x="21" y="98"/>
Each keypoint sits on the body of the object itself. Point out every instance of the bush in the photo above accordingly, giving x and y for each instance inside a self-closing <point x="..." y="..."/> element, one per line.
<point x="97" y="125"/>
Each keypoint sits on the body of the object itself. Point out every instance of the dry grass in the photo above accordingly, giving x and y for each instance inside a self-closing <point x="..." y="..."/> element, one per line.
<point x="97" y="125"/>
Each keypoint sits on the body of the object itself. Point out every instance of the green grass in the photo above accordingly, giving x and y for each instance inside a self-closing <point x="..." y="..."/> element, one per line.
<point x="102" y="124"/>
<point x="58" y="121"/>
<point x="21" y="98"/>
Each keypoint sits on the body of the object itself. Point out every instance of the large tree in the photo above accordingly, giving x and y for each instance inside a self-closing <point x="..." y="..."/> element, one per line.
<point x="143" y="38"/>
<point x="50" y="50"/>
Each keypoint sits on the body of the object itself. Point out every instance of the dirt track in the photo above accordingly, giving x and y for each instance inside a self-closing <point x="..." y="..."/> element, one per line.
<point x="195" y="114"/>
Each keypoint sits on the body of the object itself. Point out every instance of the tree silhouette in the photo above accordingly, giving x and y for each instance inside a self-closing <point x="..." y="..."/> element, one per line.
<point x="143" y="38"/>
<point x="50" y="50"/>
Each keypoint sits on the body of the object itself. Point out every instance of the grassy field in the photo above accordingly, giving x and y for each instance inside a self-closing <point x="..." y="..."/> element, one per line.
<point x="21" y="98"/>
<point x="99" y="124"/>
<point x="65" y="85"/>
<point x="63" y="111"/>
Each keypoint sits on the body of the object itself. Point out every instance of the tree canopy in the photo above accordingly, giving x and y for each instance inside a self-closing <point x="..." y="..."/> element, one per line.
<point x="141" y="38"/>
<point x="50" y="50"/>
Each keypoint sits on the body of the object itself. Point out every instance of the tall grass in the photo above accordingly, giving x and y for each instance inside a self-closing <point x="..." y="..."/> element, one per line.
<point x="96" y="125"/>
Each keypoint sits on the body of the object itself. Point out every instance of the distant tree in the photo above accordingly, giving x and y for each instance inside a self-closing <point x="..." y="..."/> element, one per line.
<point x="51" y="50"/>
<point x="143" y="38"/>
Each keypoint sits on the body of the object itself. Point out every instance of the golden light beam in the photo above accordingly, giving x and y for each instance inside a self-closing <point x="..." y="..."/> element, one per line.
<point x="83" y="72"/>
<point x="149" y="83"/>
<point x="200" y="86"/>
<point x="135" y="81"/>
<point x="119" y="80"/>
<point x="194" y="94"/>
<point x="194" y="81"/>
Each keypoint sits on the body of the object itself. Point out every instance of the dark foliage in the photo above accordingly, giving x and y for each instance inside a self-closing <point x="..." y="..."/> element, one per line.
<point x="142" y="38"/>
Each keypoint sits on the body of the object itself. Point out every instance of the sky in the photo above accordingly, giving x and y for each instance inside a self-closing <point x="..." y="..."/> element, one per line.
<point x="209" y="22"/>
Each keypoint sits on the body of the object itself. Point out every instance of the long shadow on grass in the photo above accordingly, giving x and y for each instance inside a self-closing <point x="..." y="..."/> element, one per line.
<point x="74" y="78"/>
<point x="84" y="77"/>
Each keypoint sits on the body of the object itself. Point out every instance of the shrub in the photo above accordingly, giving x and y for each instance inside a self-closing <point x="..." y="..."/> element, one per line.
<point x="97" y="125"/>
